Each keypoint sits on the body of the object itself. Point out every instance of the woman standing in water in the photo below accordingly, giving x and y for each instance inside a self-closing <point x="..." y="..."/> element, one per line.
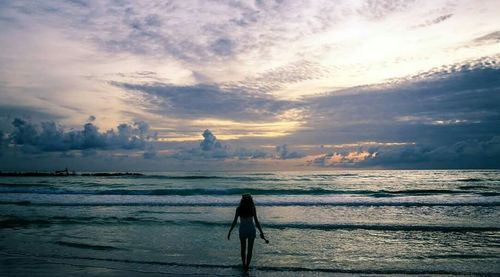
<point x="247" y="213"/>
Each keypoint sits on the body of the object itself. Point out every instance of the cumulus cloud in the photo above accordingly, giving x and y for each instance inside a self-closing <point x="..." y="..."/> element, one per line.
<point x="48" y="136"/>
<point x="282" y="153"/>
<point x="342" y="158"/>
<point x="211" y="148"/>
<point x="183" y="61"/>
<point x="209" y="142"/>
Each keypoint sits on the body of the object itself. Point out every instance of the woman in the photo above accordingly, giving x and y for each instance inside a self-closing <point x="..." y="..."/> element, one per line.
<point x="247" y="213"/>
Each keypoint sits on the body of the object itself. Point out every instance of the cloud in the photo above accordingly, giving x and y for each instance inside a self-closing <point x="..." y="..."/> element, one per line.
<point x="279" y="77"/>
<point x="209" y="101"/>
<point x="3" y="142"/>
<point x="210" y="148"/>
<point x="236" y="67"/>
<point x="487" y="39"/>
<point x="222" y="47"/>
<point x="436" y="20"/>
<point x="462" y="154"/>
<point x="48" y="137"/>
<point x="9" y="112"/>
<point x="282" y="153"/>
<point x="491" y="37"/>
<point x="150" y="153"/>
<point x="341" y="159"/>
<point x="294" y="47"/>
<point x="243" y="153"/>
<point x="441" y="106"/>
<point x="209" y="142"/>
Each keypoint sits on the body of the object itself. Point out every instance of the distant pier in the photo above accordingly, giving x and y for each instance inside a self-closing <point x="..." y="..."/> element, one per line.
<point x="65" y="173"/>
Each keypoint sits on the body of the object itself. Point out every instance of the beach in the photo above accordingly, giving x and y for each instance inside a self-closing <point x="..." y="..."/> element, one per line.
<point x="348" y="222"/>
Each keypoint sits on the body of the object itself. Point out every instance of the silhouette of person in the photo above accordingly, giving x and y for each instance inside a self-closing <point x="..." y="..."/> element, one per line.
<point x="247" y="213"/>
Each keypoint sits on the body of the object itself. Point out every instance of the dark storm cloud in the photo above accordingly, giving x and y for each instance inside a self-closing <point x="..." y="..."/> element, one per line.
<point x="451" y="116"/>
<point x="202" y="101"/>
<point x="48" y="137"/>
<point x="461" y="154"/>
<point x="434" y="108"/>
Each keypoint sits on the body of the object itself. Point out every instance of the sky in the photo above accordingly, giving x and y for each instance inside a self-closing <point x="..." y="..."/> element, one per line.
<point x="122" y="85"/>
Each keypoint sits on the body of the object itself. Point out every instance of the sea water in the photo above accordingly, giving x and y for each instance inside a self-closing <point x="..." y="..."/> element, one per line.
<point x="318" y="223"/>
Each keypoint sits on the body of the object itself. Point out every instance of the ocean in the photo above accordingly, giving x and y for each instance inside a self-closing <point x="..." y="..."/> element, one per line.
<point x="319" y="223"/>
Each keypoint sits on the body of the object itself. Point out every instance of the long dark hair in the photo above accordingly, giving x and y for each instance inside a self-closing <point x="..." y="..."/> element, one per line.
<point x="246" y="207"/>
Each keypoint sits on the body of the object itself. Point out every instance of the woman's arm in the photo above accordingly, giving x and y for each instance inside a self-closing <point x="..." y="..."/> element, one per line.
<point x="235" y="220"/>
<point x="257" y="223"/>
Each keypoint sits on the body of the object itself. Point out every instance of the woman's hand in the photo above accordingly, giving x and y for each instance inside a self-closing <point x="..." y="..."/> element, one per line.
<point x="263" y="237"/>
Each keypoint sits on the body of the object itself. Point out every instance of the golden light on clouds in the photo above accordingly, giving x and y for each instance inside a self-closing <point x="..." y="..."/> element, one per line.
<point x="231" y="130"/>
<point x="328" y="78"/>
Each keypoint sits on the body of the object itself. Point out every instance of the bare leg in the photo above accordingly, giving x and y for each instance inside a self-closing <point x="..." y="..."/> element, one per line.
<point x="250" y="249"/>
<point x="243" y="243"/>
